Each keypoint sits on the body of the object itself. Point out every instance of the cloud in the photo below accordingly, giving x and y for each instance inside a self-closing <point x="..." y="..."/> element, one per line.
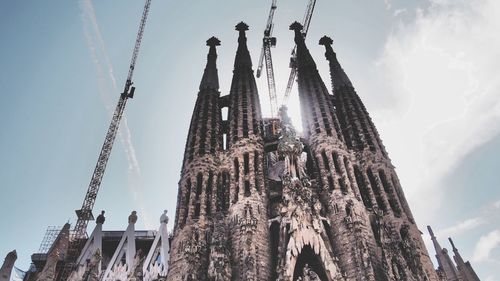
<point x="438" y="93"/>
<point x="388" y="4"/>
<point x="485" y="246"/>
<point x="491" y="278"/>
<point x="399" y="12"/>
<point x="488" y="215"/>
<point x="461" y="227"/>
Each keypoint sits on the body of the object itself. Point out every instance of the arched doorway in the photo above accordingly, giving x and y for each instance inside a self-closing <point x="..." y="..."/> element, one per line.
<point x="307" y="256"/>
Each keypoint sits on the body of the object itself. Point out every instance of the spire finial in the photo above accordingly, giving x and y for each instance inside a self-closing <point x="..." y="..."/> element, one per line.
<point x="431" y="232"/>
<point x="241" y="27"/>
<point x="452" y="244"/>
<point x="213" y="42"/>
<point x="297" y="28"/>
<point x="327" y="42"/>
<point x="242" y="59"/>
<point x="338" y="76"/>
<point x="210" y="79"/>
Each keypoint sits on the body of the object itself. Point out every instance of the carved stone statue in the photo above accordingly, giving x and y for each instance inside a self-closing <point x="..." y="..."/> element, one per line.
<point x="133" y="217"/>
<point x="92" y="270"/>
<point x="100" y="219"/>
<point x="164" y="217"/>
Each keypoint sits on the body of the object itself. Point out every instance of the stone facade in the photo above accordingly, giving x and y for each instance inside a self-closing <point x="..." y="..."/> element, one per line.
<point x="258" y="203"/>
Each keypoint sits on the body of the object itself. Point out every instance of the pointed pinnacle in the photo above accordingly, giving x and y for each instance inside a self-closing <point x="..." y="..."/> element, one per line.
<point x="325" y="41"/>
<point x="241" y="26"/>
<point x="430" y="231"/>
<point x="452" y="244"/>
<point x="296" y="26"/>
<point x="213" y="41"/>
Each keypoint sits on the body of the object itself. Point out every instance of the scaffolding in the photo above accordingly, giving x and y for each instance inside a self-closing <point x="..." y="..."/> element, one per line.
<point x="48" y="239"/>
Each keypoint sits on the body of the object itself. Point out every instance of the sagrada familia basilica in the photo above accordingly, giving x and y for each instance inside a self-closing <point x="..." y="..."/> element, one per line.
<point x="256" y="201"/>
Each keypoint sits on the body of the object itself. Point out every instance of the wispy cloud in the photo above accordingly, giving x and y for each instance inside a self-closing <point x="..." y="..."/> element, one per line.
<point x="491" y="278"/>
<point x="485" y="246"/>
<point x="461" y="227"/>
<point x="109" y="90"/>
<point x="488" y="215"/>
<point x="399" y="12"/>
<point x="438" y="94"/>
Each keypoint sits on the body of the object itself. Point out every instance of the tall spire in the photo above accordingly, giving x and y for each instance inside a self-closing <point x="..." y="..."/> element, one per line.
<point x="318" y="115"/>
<point x="244" y="113"/>
<point x="357" y="127"/>
<point x="339" y="78"/>
<point x="305" y="59"/>
<point x="444" y="261"/>
<point x="465" y="269"/>
<point x="243" y="60"/>
<point x="204" y="132"/>
<point x="210" y="78"/>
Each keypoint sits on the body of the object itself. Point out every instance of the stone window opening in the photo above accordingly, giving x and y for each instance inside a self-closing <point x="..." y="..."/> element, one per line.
<point x="363" y="189"/>
<point x="256" y="170"/>
<point x="390" y="192"/>
<point x="376" y="190"/>
<point x="224" y="141"/>
<point x="343" y="186"/>
<point x="325" y="160"/>
<point x="336" y="163"/>
<point x="186" y="201"/>
<point x="199" y="184"/>
<point x="203" y="129"/>
<point x="208" y="194"/>
<point x="246" y="163"/>
<point x="330" y="183"/>
<point x="236" y="193"/>
<point x="236" y="169"/>
<point x="247" y="189"/>
<point x="347" y="169"/>
<point x="274" y="230"/>
<point x="222" y="191"/>
<point x="400" y="196"/>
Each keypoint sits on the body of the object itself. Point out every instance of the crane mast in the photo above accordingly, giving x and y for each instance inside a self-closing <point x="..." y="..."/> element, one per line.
<point x="293" y="72"/>
<point x="267" y="42"/>
<point x="84" y="215"/>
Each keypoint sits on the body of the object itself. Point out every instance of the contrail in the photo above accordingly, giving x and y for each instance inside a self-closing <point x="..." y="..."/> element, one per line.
<point x="97" y="48"/>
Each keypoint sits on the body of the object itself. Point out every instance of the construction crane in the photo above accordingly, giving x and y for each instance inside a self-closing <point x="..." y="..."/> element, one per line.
<point x="268" y="42"/>
<point x="293" y="64"/>
<point x="84" y="215"/>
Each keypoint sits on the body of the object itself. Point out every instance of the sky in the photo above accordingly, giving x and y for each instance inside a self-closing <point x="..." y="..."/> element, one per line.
<point x="426" y="70"/>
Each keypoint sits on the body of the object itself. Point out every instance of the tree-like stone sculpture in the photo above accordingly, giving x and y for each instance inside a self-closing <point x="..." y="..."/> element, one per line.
<point x="300" y="210"/>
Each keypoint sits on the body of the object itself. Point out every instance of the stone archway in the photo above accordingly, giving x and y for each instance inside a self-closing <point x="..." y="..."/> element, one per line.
<point x="311" y="263"/>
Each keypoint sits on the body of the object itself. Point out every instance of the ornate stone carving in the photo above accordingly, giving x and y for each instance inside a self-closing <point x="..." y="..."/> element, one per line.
<point x="248" y="223"/>
<point x="191" y="247"/>
<point x="219" y="267"/>
<point x="300" y="209"/>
